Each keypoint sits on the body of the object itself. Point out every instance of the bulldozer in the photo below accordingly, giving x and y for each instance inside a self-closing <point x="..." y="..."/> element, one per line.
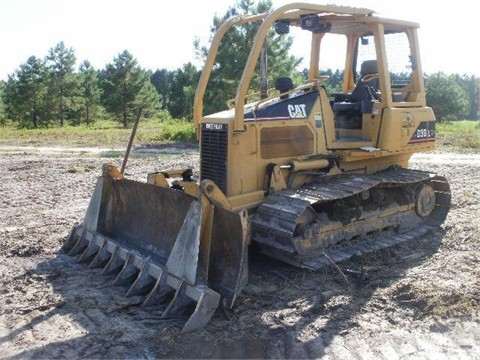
<point x="300" y="174"/>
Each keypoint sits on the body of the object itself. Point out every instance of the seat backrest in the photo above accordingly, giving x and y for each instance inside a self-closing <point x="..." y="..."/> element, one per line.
<point x="368" y="67"/>
<point x="361" y="91"/>
<point x="284" y="84"/>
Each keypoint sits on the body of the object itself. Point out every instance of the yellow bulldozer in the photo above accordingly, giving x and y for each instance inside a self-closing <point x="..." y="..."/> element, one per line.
<point x="305" y="175"/>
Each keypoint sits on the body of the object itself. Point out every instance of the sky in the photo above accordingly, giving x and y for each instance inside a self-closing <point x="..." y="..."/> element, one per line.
<point x="160" y="33"/>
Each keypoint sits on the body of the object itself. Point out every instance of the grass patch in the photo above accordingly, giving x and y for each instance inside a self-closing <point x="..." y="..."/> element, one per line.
<point x="448" y="305"/>
<point x="167" y="130"/>
<point x="461" y="135"/>
<point x="101" y="134"/>
<point x="104" y="133"/>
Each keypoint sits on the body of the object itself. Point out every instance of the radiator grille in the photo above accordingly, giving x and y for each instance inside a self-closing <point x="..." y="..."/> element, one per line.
<point x="213" y="154"/>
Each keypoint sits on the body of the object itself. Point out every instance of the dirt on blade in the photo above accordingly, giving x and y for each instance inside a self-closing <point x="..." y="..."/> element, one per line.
<point x="420" y="300"/>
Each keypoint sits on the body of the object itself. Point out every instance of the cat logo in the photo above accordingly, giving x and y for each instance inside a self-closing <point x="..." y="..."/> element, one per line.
<point x="297" y="111"/>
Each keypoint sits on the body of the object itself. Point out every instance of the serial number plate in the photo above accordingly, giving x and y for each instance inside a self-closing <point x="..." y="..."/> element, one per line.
<point x="215" y="127"/>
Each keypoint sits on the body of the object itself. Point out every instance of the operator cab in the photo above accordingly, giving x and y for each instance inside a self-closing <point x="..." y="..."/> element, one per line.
<point x="365" y="78"/>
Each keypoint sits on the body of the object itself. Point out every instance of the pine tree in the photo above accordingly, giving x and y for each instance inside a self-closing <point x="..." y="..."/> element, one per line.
<point x="233" y="54"/>
<point x="89" y="93"/>
<point x="25" y="92"/>
<point x="160" y="79"/>
<point x="126" y="88"/>
<point x="3" y="117"/>
<point x="446" y="97"/>
<point x="181" y="91"/>
<point x="61" y="63"/>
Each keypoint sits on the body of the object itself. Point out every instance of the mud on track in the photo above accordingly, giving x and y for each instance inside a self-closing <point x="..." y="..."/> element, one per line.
<point x="422" y="300"/>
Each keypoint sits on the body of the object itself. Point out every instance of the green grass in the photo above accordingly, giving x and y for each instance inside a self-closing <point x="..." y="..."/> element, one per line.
<point x="463" y="136"/>
<point x="109" y="134"/>
<point x="102" y="133"/>
<point x="170" y="130"/>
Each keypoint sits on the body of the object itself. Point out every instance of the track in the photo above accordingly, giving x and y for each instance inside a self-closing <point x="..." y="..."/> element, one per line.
<point x="345" y="223"/>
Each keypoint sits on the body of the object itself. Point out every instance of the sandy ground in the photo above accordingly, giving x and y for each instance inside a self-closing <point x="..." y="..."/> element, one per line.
<point x="422" y="300"/>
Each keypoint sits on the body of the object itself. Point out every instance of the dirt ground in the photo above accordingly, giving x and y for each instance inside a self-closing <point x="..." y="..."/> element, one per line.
<point x="421" y="302"/>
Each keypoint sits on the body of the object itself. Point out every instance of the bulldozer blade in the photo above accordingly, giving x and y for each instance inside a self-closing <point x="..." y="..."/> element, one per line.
<point x="207" y="303"/>
<point x="90" y="251"/>
<point x="206" y="306"/>
<point x="178" y="304"/>
<point x="228" y="272"/>
<point x="116" y="261"/>
<point x="130" y="270"/>
<point x="79" y="246"/>
<point x="160" y="289"/>
<point x="72" y="239"/>
<point x="183" y="258"/>
<point x="149" y="237"/>
<point x="105" y="251"/>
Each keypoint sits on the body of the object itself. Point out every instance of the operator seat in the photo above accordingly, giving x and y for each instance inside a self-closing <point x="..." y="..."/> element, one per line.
<point x="348" y="108"/>
<point x="363" y="89"/>
<point x="283" y="84"/>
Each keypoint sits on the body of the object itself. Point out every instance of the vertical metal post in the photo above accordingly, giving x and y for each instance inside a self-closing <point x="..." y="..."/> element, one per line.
<point x="263" y="71"/>
<point x="130" y="142"/>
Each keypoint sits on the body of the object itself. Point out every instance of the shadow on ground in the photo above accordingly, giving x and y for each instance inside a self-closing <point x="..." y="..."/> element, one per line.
<point x="284" y="312"/>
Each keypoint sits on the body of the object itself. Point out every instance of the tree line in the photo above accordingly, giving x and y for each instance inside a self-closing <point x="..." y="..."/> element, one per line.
<point x="42" y="92"/>
<point x="49" y="91"/>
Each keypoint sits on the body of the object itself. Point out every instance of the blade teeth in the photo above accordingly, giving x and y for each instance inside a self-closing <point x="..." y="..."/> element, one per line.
<point x="92" y="249"/>
<point x="72" y="239"/>
<point x="102" y="257"/>
<point x="128" y="272"/>
<point x="179" y="302"/>
<point x="144" y="282"/>
<point x="159" y="291"/>
<point x="80" y="245"/>
<point x="115" y="263"/>
<point x="148" y="278"/>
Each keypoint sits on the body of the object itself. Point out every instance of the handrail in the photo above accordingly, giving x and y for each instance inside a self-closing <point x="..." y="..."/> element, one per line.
<point x="309" y="85"/>
<point x="209" y="62"/>
<point x="292" y="11"/>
